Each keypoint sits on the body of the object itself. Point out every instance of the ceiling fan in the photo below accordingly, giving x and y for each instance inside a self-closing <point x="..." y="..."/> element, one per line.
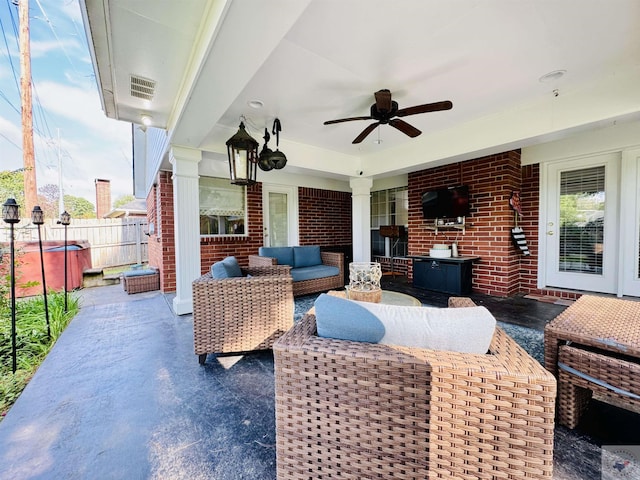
<point x="386" y="111"/>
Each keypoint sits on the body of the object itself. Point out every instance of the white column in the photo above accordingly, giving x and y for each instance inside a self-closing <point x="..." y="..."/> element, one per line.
<point x="186" y="224"/>
<point x="361" y="218"/>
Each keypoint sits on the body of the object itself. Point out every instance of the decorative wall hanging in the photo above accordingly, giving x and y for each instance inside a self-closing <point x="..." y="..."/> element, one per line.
<point x="517" y="234"/>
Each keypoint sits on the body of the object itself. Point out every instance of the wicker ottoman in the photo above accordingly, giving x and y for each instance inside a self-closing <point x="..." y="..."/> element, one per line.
<point x="138" y="281"/>
<point x="593" y="347"/>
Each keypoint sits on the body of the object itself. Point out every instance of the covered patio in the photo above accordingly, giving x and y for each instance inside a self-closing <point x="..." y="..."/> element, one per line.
<point x="122" y="396"/>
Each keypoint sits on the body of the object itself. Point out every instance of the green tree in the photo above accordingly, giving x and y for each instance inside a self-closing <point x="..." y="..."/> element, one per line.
<point x="79" y="207"/>
<point x="123" y="200"/>
<point x="12" y="186"/>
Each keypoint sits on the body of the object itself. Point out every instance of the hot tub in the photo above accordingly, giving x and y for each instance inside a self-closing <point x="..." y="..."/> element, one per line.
<point x="28" y="267"/>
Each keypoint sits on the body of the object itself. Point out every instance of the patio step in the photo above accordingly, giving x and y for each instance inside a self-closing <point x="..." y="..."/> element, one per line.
<point x="95" y="277"/>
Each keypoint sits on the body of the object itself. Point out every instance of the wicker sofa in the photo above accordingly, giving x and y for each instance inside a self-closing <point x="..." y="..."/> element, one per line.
<point x="305" y="281"/>
<point x="359" y="410"/>
<point x="241" y="314"/>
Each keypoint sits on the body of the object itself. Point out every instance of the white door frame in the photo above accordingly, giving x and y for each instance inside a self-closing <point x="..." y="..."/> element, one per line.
<point x="548" y="276"/>
<point x="630" y="223"/>
<point x="292" y="207"/>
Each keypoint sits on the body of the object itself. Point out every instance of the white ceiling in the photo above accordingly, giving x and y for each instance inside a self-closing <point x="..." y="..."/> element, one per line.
<point x="314" y="60"/>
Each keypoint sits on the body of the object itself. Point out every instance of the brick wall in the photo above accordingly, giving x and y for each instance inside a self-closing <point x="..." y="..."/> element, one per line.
<point x="491" y="180"/>
<point x="162" y="241"/>
<point x="325" y="217"/>
<point x="213" y="249"/>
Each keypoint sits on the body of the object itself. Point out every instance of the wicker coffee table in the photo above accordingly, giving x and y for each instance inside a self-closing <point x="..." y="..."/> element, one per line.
<point x="593" y="348"/>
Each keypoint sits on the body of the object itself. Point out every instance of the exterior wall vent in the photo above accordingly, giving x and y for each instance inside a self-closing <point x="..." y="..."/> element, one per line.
<point x="142" y="87"/>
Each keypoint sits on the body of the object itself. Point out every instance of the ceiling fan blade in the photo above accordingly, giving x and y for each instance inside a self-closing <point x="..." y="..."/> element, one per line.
<point x="366" y="132"/>
<point x="404" y="127"/>
<point x="330" y="122"/>
<point x="428" y="107"/>
<point x="383" y="100"/>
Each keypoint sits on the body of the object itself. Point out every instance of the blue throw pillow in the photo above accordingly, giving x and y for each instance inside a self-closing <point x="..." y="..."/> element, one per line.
<point x="346" y="320"/>
<point x="306" y="256"/>
<point x="227" y="268"/>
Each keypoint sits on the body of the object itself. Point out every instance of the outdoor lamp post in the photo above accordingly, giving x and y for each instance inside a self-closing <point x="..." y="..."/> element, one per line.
<point x="11" y="215"/>
<point x="65" y="220"/>
<point x="37" y="218"/>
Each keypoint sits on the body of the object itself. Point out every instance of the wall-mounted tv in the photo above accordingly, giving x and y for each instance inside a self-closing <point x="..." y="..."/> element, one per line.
<point x="449" y="202"/>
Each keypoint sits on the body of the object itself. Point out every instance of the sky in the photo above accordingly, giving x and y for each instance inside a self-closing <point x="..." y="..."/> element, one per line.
<point x="65" y="100"/>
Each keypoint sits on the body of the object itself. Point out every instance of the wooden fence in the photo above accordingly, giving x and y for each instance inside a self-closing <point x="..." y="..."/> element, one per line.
<point x="114" y="241"/>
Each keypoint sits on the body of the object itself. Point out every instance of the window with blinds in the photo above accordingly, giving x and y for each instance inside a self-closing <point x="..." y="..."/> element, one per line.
<point x="222" y="207"/>
<point x="582" y="202"/>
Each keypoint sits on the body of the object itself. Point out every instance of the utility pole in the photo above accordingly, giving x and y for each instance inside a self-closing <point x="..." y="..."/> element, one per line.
<point x="28" y="154"/>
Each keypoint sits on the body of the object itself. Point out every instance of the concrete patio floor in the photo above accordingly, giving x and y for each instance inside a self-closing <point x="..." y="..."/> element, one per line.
<point x="122" y="396"/>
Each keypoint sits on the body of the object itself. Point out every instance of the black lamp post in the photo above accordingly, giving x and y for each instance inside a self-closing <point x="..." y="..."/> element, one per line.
<point x="65" y="220"/>
<point x="37" y="218"/>
<point x="11" y="215"/>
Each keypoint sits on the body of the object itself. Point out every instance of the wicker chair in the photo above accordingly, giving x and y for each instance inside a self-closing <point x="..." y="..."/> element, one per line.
<point x="357" y="410"/>
<point x="241" y="314"/>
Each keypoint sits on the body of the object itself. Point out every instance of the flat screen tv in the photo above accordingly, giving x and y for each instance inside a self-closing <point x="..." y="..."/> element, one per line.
<point x="449" y="202"/>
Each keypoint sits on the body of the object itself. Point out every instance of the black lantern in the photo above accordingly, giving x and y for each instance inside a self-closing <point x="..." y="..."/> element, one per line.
<point x="11" y="215"/>
<point x="65" y="220"/>
<point x="37" y="218"/>
<point x="10" y="211"/>
<point x="242" y="150"/>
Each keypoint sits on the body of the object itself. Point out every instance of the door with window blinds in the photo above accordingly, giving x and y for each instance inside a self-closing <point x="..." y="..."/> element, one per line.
<point x="581" y="224"/>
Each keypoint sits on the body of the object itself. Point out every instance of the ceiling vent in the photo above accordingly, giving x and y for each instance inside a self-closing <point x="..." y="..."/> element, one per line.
<point x="142" y="87"/>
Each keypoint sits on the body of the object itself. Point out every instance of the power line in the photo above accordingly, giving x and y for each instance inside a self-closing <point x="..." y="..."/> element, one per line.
<point x="6" y="44"/>
<point x="46" y="19"/>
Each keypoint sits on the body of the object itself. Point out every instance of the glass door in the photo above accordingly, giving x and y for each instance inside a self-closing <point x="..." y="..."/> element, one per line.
<point x="280" y="217"/>
<point x="581" y="224"/>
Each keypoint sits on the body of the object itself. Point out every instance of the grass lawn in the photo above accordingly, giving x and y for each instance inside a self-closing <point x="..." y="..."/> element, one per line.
<point x="32" y="340"/>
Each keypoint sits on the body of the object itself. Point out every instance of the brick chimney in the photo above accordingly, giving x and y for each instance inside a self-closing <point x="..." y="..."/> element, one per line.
<point x="103" y="197"/>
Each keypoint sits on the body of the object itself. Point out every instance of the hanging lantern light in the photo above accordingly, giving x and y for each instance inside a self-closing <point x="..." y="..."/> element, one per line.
<point x="242" y="151"/>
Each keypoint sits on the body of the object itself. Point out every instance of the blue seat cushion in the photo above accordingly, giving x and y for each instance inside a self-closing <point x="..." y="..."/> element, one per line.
<point x="311" y="273"/>
<point x="345" y="320"/>
<point x="140" y="272"/>
<point x="226" y="268"/>
<point x="306" y="256"/>
<point x="284" y="255"/>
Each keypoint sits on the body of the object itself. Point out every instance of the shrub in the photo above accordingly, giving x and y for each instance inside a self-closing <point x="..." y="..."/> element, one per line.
<point x="32" y="340"/>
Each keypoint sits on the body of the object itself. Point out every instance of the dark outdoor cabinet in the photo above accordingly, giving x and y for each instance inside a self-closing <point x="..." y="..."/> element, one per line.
<point x="447" y="275"/>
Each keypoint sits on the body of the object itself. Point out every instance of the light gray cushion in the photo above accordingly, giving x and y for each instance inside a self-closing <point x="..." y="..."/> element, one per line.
<point x="344" y="320"/>
<point x="227" y="268"/>
<point x="308" y="256"/>
<point x="284" y="255"/>
<point x="140" y="272"/>
<point x="465" y="330"/>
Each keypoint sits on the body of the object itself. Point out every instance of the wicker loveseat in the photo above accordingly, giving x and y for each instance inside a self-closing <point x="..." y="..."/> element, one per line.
<point x="359" y="410"/>
<point x="307" y="277"/>
<point x="241" y="314"/>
